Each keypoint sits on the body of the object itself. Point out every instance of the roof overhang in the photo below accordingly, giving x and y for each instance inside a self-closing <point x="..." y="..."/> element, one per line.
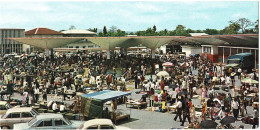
<point x="153" y="42"/>
<point x="47" y="43"/>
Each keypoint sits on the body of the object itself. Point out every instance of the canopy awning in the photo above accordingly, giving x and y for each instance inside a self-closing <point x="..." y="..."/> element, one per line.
<point x="152" y="42"/>
<point x="106" y="95"/>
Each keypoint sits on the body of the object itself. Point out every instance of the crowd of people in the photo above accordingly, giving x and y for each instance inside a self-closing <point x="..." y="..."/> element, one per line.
<point x="39" y="75"/>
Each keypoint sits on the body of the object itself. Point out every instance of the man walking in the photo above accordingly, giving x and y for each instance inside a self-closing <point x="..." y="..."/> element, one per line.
<point x="179" y="109"/>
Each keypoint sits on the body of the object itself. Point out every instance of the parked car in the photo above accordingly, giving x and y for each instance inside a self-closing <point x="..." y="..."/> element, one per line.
<point x="4" y="106"/>
<point x="99" y="124"/>
<point x="17" y="115"/>
<point x="49" y="121"/>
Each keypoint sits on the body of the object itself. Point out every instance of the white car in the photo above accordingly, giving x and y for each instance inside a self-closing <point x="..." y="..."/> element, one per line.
<point x="17" y="115"/>
<point x="49" y="121"/>
<point x="99" y="124"/>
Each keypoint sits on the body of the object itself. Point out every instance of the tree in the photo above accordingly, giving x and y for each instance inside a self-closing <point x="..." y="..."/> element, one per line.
<point x="100" y="34"/>
<point x="149" y="32"/>
<point x="211" y="31"/>
<point x="72" y="27"/>
<point x="233" y="28"/>
<point x="154" y="28"/>
<point x="113" y="28"/>
<point x="105" y="30"/>
<point x="244" y="23"/>
<point x="256" y="26"/>
<point x="180" y="31"/>
<point x="165" y="32"/>
<point x="92" y="30"/>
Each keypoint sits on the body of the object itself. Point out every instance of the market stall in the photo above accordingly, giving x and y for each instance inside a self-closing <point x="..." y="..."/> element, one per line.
<point x="92" y="104"/>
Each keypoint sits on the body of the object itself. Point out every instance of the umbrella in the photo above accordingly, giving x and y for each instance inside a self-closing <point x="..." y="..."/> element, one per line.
<point x="249" y="80"/>
<point x="217" y="100"/>
<point x="167" y="64"/>
<point x="228" y="120"/>
<point x="163" y="73"/>
<point x="208" y="124"/>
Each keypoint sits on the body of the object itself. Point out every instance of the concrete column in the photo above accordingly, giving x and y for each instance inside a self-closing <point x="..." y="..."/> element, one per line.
<point x="153" y="53"/>
<point x="223" y="55"/>
<point x="108" y="54"/>
<point x="47" y="52"/>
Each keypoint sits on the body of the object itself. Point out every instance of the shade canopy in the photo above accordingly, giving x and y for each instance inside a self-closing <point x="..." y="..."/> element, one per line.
<point x="106" y="95"/>
<point x="47" y="43"/>
<point x="152" y="42"/>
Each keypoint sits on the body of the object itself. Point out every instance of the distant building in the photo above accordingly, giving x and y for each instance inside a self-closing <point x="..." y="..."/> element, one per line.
<point x="39" y="33"/>
<point x="78" y="33"/>
<point x="10" y="46"/>
<point x="83" y="43"/>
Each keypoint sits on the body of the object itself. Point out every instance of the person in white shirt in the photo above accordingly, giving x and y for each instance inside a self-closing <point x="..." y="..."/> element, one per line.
<point x="239" y="71"/>
<point x="235" y="106"/>
<point x="49" y="105"/>
<point x="153" y="85"/>
<point x="62" y="108"/>
<point x="173" y="95"/>
<point x="179" y="109"/>
<point x="55" y="107"/>
<point x="36" y="94"/>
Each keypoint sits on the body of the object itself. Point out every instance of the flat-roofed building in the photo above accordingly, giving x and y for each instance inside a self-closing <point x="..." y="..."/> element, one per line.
<point x="8" y="46"/>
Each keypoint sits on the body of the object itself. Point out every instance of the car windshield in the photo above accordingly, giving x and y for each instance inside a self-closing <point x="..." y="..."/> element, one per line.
<point x="8" y="106"/>
<point x="68" y="121"/>
<point x="32" y="121"/>
<point x="233" y="61"/>
<point x="35" y="112"/>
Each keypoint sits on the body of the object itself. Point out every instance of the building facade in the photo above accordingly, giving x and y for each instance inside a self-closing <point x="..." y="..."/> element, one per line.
<point x="10" y="46"/>
<point x="221" y="53"/>
<point x="39" y="33"/>
<point x="80" y="44"/>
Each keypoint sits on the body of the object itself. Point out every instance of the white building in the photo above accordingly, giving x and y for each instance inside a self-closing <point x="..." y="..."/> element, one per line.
<point x="191" y="50"/>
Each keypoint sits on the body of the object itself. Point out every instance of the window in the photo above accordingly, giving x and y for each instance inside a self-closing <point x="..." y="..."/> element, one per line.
<point x="14" y="115"/>
<point x="2" y="107"/>
<point x="84" y="47"/>
<point x="207" y="49"/>
<point x="41" y="124"/>
<point x="45" y="123"/>
<point x="93" y="127"/>
<point x="27" y="114"/>
<point x="77" y="46"/>
<point x="90" y="46"/>
<point x="59" y="122"/>
<point x="70" y="46"/>
<point x="106" y="127"/>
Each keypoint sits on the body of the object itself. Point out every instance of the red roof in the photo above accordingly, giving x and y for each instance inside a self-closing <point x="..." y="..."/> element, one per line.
<point x="42" y="31"/>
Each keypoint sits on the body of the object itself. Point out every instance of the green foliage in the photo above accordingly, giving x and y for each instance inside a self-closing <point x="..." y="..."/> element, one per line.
<point x="180" y="30"/>
<point x="105" y="30"/>
<point x="233" y="28"/>
<point x="93" y="30"/>
<point x="244" y="24"/>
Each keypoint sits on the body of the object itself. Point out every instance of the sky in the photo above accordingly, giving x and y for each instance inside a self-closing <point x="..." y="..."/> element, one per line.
<point x="125" y="15"/>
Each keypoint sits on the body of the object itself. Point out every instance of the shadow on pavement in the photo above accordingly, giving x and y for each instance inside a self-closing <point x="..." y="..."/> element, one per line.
<point x="124" y="121"/>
